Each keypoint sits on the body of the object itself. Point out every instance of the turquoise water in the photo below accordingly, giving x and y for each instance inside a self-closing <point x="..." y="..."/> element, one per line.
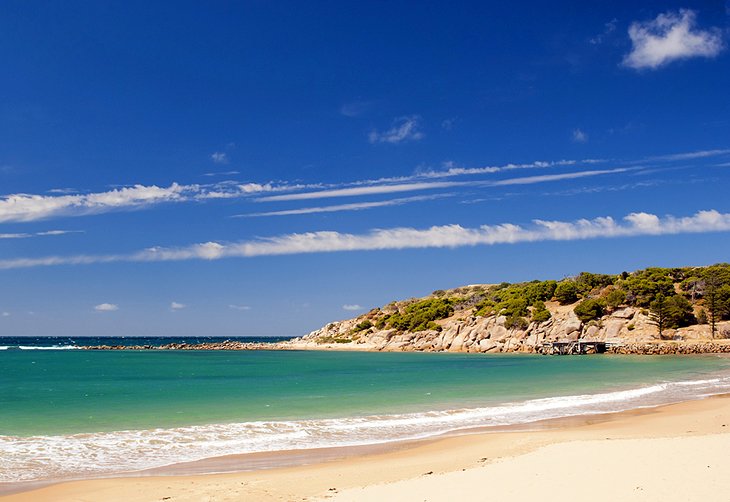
<point x="72" y="412"/>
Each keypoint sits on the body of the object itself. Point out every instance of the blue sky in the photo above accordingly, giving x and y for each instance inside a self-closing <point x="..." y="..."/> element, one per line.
<point x="262" y="168"/>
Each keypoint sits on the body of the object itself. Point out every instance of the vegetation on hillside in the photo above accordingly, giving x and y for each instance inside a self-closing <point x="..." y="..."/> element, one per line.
<point x="674" y="297"/>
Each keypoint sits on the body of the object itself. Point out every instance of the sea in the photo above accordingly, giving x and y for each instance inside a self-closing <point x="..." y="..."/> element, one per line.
<point x="67" y="413"/>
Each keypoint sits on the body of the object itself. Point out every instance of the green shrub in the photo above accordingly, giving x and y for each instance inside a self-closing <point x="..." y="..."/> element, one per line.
<point x="515" y="322"/>
<point x="420" y="315"/>
<point x="566" y="292"/>
<point x="615" y="298"/>
<point x="589" y="309"/>
<point x="540" y="313"/>
<point x="366" y="324"/>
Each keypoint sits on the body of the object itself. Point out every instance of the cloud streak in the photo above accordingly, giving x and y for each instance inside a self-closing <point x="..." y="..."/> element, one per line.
<point x="39" y="234"/>
<point x="28" y="207"/>
<point x="444" y="236"/>
<point x="432" y="185"/>
<point x="356" y="206"/>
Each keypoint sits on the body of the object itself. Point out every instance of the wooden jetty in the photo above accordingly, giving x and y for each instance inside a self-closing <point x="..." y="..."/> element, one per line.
<point x="575" y="347"/>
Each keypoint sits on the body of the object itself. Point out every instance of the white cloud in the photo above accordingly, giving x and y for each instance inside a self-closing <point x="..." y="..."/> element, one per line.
<point x="351" y="307"/>
<point x="239" y="307"/>
<point x="580" y="136"/>
<point x="177" y="306"/>
<point x="15" y="236"/>
<point x="24" y="207"/>
<point x="106" y="307"/>
<point x="6" y="314"/>
<point x="219" y="157"/>
<point x="363" y="190"/>
<point x="40" y="234"/>
<point x="27" y="207"/>
<point x="64" y="191"/>
<point x="403" y="129"/>
<point x="222" y="173"/>
<point x="443" y="236"/>
<point x="669" y="37"/>
<point x="59" y="232"/>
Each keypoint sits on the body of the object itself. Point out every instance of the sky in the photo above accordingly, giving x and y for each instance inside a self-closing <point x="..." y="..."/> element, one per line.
<point x="266" y="167"/>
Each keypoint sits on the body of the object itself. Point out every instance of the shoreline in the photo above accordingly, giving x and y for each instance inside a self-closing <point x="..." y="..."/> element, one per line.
<point x="396" y="461"/>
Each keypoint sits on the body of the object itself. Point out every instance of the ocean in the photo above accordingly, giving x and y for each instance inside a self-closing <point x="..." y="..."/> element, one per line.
<point x="68" y="413"/>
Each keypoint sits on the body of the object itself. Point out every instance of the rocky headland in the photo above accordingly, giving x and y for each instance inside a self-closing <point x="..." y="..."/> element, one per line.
<point x="652" y="311"/>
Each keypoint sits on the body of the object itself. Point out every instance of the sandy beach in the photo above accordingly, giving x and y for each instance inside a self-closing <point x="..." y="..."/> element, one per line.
<point x="675" y="452"/>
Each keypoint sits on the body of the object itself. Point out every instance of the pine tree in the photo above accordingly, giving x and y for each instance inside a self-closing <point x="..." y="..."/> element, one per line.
<point x="712" y="303"/>
<point x="658" y="313"/>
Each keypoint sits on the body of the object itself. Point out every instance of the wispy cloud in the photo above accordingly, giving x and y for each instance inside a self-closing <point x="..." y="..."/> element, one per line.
<point x="669" y="37"/>
<point x="24" y="207"/>
<point x="403" y="129"/>
<point x="608" y="29"/>
<point x="448" y="124"/>
<point x="444" y="236"/>
<point x="580" y="136"/>
<point x="356" y="108"/>
<point x="221" y="173"/>
<point x="106" y="307"/>
<point x="28" y="207"/>
<point x="239" y="307"/>
<point x="352" y="307"/>
<point x="357" y="206"/>
<point x="700" y="154"/>
<point x="32" y="207"/>
<point x="64" y="191"/>
<point x="40" y="234"/>
<point x="177" y="306"/>
<point x="219" y="157"/>
<point x="432" y="185"/>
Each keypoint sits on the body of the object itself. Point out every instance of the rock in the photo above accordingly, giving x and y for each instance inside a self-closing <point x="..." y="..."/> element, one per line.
<point x="571" y="324"/>
<point x="498" y="333"/>
<point x="591" y="332"/>
<point x="458" y="343"/>
<point x="626" y="313"/>
<point x="488" y="345"/>
<point x="613" y="328"/>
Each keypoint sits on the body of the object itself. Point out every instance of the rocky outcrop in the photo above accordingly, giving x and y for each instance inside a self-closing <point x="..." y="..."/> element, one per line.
<point x="626" y="330"/>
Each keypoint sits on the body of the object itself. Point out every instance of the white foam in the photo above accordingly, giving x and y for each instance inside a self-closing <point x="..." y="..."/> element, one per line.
<point x="52" y="347"/>
<point x="53" y="457"/>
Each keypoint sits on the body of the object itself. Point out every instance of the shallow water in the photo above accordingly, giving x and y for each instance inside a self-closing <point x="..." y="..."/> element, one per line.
<point x="70" y="413"/>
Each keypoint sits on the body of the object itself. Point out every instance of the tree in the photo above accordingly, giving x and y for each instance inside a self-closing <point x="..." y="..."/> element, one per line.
<point x="540" y="313"/>
<point x="658" y="313"/>
<point x="566" y="292"/>
<point x="589" y="309"/>
<point x="615" y="298"/>
<point x="712" y="301"/>
<point x="679" y="312"/>
<point x="644" y="286"/>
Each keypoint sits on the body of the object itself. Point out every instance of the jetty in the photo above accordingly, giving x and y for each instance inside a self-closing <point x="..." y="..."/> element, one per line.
<point x="574" y="347"/>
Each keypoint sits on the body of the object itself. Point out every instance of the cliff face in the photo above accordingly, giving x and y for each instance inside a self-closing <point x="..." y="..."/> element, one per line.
<point x="465" y="332"/>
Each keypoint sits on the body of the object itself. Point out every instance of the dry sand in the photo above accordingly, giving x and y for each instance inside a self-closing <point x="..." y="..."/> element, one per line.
<point x="677" y="452"/>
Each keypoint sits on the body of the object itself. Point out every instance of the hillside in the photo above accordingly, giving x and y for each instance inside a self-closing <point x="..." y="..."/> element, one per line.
<point x="651" y="305"/>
